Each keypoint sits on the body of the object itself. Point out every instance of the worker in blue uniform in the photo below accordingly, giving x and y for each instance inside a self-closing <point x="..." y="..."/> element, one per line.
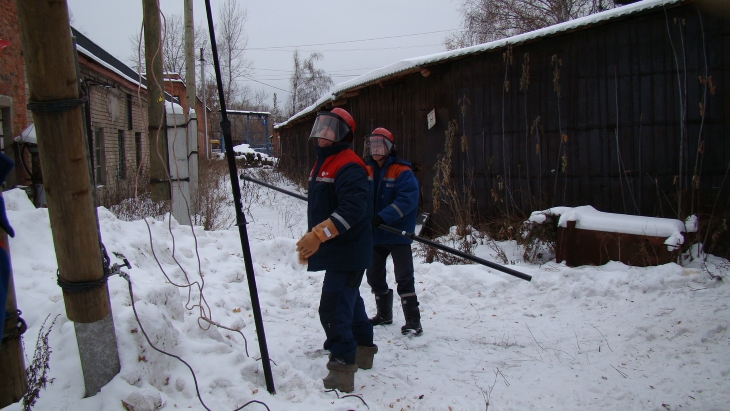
<point x="395" y="198"/>
<point x="339" y="241"/>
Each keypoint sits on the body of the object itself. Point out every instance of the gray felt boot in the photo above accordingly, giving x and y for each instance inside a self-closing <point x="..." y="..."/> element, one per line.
<point x="341" y="376"/>
<point x="364" y="356"/>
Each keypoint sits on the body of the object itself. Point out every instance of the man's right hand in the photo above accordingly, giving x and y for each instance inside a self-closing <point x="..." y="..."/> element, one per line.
<point x="308" y="245"/>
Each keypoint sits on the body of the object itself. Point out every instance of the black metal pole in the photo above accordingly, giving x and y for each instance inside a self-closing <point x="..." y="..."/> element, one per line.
<point x="412" y="236"/>
<point x="461" y="254"/>
<point x="240" y="217"/>
<point x="281" y="190"/>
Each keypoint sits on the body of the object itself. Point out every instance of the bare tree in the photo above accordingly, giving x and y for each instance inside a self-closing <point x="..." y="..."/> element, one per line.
<point x="276" y="114"/>
<point x="488" y="20"/>
<point x="258" y="100"/>
<point x="307" y="83"/>
<point x="232" y="41"/>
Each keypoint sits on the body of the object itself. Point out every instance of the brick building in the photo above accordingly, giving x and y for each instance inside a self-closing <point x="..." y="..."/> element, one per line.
<point x="13" y="115"/>
<point x="116" y="110"/>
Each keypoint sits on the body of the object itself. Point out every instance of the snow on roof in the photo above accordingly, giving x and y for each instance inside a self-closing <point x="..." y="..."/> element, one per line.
<point x="101" y="62"/>
<point x="93" y="51"/>
<point x="588" y="218"/>
<point x="417" y="62"/>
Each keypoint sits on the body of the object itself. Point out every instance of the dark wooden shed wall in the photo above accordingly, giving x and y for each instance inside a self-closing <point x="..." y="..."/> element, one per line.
<point x="615" y="138"/>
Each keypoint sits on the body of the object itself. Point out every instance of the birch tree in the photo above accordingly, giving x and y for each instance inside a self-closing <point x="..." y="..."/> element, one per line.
<point x="307" y="82"/>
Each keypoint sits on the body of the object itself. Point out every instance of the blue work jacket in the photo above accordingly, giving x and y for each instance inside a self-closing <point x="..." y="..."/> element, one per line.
<point x="395" y="198"/>
<point x="339" y="189"/>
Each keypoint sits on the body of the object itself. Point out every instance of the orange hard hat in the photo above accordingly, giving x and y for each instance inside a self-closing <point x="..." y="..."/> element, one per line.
<point x="345" y="116"/>
<point x="384" y="132"/>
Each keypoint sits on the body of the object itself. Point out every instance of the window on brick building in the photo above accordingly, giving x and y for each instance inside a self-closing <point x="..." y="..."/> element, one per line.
<point x="130" y="125"/>
<point x="121" y="163"/>
<point x="138" y="149"/>
<point x="99" y="156"/>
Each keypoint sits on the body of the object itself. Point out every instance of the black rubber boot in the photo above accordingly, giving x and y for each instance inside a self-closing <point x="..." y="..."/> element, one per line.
<point x="412" y="314"/>
<point x="341" y="376"/>
<point x="384" y="303"/>
<point x="364" y="357"/>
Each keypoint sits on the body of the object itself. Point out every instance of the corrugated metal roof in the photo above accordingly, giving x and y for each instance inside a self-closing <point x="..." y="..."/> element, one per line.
<point x="408" y="66"/>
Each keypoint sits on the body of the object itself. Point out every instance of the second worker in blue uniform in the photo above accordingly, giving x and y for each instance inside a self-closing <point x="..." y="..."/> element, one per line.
<point x="395" y="195"/>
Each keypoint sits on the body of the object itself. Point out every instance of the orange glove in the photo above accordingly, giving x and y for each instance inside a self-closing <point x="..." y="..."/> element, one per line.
<point x="301" y="259"/>
<point x="308" y="245"/>
<point x="310" y="242"/>
<point x="325" y="230"/>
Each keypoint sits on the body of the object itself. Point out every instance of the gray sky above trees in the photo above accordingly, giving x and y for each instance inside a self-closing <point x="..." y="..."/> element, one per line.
<point x="276" y="28"/>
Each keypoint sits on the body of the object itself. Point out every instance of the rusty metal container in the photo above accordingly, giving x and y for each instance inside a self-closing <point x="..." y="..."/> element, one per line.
<point x="588" y="247"/>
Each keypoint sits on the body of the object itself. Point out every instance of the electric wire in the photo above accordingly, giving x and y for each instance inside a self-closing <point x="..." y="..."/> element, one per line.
<point x="254" y="80"/>
<point x="354" y="41"/>
<point x="192" y="372"/>
<point x="363" y="49"/>
<point x="204" y="308"/>
<point x="348" y="395"/>
<point x="240" y="216"/>
<point x="338" y="71"/>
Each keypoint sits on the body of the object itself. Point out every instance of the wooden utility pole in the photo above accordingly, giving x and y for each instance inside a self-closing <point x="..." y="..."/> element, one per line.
<point x="192" y="104"/>
<point x="190" y="58"/>
<point x="57" y="113"/>
<point x="204" y="98"/>
<point x="14" y="384"/>
<point x="159" y="181"/>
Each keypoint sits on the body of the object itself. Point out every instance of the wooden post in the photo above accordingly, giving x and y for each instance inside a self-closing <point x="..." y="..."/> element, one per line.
<point x="57" y="113"/>
<point x="190" y="58"/>
<point x="192" y="103"/>
<point x="14" y="383"/>
<point x="159" y="182"/>
<point x="206" y="140"/>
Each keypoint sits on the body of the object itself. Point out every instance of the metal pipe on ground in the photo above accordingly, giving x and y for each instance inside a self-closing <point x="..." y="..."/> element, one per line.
<point x="412" y="236"/>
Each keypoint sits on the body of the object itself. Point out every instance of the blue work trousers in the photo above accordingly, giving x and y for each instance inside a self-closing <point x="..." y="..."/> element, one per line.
<point x="402" y="263"/>
<point x="342" y="314"/>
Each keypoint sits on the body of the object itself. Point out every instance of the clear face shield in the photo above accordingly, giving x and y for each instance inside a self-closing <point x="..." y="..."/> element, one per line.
<point x="329" y="127"/>
<point x="377" y="145"/>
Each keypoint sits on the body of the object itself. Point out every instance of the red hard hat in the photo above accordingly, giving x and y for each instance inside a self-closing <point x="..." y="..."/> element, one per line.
<point x="385" y="133"/>
<point x="345" y="116"/>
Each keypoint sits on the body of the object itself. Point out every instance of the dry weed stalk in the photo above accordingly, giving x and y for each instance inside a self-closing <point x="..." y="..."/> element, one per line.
<point x="457" y="202"/>
<point x="37" y="371"/>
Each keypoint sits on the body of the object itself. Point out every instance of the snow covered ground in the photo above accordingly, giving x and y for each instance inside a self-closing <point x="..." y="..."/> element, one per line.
<point x="611" y="337"/>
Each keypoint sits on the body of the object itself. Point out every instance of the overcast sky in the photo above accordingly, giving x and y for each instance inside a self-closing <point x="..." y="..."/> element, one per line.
<point x="404" y="29"/>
